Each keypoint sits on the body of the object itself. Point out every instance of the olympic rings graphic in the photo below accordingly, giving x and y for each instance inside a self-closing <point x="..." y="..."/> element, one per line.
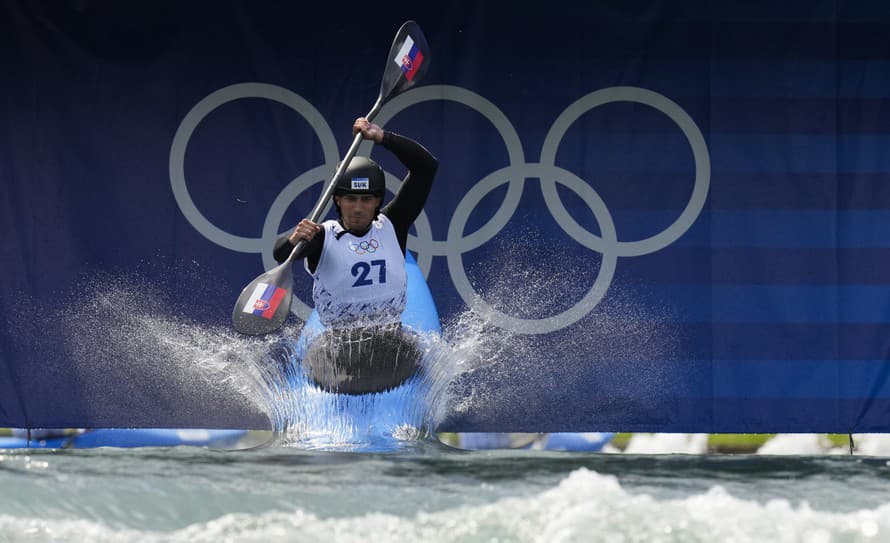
<point x="364" y="247"/>
<point x="514" y="175"/>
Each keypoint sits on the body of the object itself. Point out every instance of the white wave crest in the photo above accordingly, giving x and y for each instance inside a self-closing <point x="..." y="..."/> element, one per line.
<point x="585" y="506"/>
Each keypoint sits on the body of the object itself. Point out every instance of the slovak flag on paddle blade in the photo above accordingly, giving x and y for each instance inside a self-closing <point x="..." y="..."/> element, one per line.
<point x="264" y="300"/>
<point x="409" y="58"/>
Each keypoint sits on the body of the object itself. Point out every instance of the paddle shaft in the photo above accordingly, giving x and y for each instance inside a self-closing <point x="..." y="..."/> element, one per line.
<point x="329" y="188"/>
<point x="260" y="308"/>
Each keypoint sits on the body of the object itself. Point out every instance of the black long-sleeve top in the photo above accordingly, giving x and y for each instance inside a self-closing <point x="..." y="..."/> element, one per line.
<point x="402" y="210"/>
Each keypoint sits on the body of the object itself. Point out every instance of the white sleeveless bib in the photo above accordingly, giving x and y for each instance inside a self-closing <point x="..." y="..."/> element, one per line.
<point x="360" y="281"/>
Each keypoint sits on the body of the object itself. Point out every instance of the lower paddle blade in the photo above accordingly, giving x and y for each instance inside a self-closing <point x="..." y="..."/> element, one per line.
<point x="407" y="63"/>
<point x="264" y="304"/>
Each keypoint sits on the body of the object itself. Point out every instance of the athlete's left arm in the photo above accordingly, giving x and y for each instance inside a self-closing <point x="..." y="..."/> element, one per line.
<point x="415" y="188"/>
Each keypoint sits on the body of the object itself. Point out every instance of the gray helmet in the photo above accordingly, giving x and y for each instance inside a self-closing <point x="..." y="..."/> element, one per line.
<point x="362" y="176"/>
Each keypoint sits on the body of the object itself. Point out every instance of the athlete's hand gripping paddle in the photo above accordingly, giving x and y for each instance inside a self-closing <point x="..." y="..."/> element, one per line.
<point x="265" y="303"/>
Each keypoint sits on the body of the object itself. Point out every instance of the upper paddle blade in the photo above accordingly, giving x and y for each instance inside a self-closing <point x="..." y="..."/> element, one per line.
<point x="407" y="63"/>
<point x="265" y="303"/>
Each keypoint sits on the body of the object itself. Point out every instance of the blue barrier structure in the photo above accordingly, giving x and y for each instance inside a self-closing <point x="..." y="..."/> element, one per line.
<point x="126" y="438"/>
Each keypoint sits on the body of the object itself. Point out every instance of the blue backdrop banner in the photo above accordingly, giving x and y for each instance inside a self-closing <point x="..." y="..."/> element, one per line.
<point x="648" y="216"/>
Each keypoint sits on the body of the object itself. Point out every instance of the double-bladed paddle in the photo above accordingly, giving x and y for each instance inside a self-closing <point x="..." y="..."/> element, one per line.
<point x="265" y="303"/>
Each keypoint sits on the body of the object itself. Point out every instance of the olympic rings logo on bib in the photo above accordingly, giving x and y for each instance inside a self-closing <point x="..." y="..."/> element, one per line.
<point x="363" y="247"/>
<point x="514" y="175"/>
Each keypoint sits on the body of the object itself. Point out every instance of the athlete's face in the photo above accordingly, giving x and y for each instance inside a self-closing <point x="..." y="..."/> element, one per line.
<point x="357" y="210"/>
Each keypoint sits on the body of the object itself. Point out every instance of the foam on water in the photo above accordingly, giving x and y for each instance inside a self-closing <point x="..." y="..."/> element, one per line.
<point x="667" y="444"/>
<point x="873" y="444"/>
<point x="584" y="506"/>
<point x="819" y="444"/>
<point x="811" y="444"/>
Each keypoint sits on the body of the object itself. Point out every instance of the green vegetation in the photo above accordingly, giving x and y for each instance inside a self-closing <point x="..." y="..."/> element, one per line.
<point x="736" y="443"/>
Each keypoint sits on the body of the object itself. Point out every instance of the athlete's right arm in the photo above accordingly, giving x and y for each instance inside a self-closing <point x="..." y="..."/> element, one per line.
<point x="311" y="251"/>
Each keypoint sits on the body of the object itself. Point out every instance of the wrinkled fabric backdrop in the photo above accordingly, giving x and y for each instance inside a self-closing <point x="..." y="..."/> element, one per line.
<point x="670" y="216"/>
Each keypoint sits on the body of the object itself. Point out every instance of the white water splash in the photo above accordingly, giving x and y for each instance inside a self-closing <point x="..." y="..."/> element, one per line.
<point x="808" y="444"/>
<point x="121" y="330"/>
<point x="610" y="361"/>
<point x="125" y="333"/>
<point x="309" y="417"/>
<point x="820" y="444"/>
<point x="872" y="444"/>
<point x="667" y="444"/>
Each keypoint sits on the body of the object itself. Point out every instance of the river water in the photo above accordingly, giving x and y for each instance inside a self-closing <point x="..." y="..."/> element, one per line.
<point x="429" y="492"/>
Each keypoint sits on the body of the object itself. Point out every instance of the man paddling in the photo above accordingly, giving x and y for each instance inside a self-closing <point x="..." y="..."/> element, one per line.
<point x="357" y="263"/>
